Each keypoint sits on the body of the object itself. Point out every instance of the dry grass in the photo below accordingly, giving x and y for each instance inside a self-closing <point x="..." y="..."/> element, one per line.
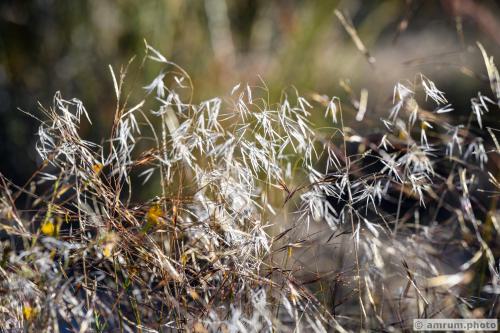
<point x="261" y="221"/>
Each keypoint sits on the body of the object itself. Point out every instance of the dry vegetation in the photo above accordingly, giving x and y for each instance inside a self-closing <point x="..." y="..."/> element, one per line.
<point x="261" y="220"/>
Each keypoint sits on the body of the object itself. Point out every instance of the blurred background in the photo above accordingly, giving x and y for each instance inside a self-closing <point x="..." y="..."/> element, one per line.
<point x="50" y="45"/>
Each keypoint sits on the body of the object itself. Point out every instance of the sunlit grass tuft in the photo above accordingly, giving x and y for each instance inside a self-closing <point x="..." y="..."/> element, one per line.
<point x="262" y="220"/>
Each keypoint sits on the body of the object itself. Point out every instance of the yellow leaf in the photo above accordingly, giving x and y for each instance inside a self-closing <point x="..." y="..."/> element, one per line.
<point x="28" y="312"/>
<point x="155" y="213"/>
<point x="97" y="168"/>
<point x="48" y="228"/>
<point x="107" y="251"/>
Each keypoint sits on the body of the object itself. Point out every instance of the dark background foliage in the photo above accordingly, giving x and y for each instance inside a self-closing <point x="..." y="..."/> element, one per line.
<point x="50" y="45"/>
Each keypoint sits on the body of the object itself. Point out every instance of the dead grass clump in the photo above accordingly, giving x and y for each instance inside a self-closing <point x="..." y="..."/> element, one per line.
<point x="221" y="245"/>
